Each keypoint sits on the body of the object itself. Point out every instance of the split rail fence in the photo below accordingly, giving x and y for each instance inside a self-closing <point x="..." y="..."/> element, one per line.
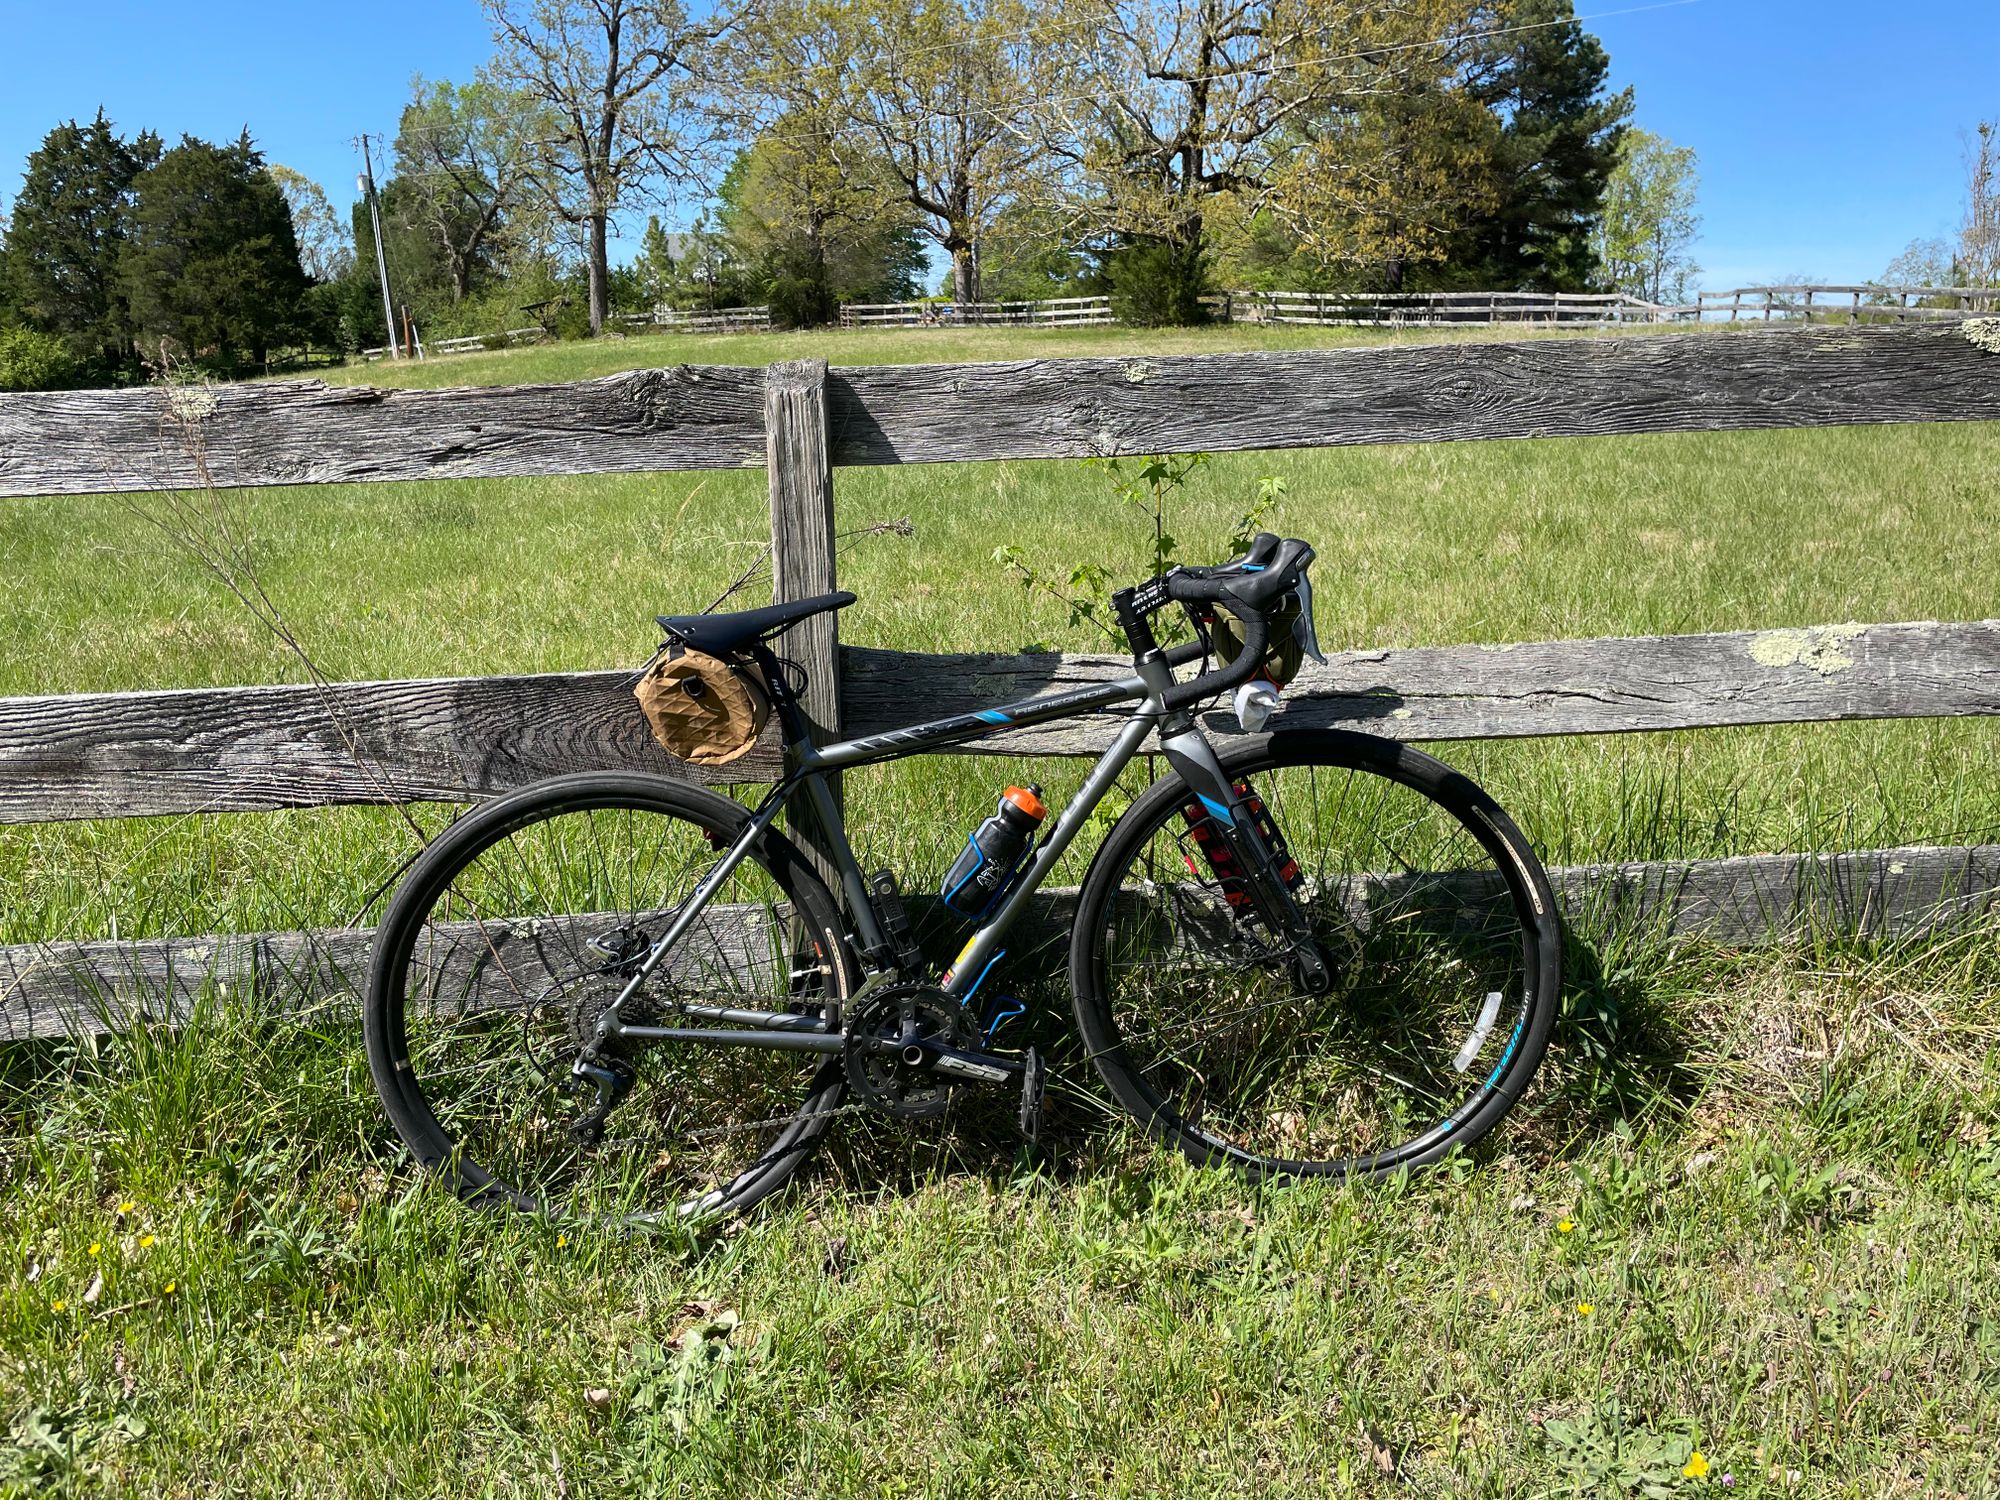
<point x="1764" y="304"/>
<point x="1846" y="304"/>
<point x="210" y="750"/>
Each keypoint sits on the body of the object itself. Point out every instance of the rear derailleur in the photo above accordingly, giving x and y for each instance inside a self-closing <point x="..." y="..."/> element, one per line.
<point x="612" y="1078"/>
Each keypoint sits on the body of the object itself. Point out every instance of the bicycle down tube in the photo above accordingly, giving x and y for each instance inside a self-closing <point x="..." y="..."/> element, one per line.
<point x="812" y="764"/>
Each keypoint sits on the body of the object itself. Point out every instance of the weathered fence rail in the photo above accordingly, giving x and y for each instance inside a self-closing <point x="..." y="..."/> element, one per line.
<point x="243" y="749"/>
<point x="193" y="750"/>
<point x="712" y="416"/>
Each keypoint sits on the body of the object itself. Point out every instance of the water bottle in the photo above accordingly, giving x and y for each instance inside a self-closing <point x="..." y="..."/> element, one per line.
<point x="994" y="853"/>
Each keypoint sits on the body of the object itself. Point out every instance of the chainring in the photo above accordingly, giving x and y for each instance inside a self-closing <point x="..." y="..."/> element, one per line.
<point x="903" y="1014"/>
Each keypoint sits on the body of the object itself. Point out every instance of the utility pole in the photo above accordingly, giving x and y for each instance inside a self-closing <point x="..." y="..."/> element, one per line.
<point x="367" y="186"/>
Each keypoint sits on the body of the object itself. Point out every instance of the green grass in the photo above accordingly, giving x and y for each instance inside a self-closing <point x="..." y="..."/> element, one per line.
<point x="583" y="359"/>
<point x="1780" y="1169"/>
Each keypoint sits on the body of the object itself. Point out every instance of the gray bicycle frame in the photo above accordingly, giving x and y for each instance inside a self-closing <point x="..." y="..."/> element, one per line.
<point x="809" y="766"/>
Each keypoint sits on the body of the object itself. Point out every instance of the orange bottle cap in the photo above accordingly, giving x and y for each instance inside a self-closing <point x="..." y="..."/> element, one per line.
<point x="1027" y="801"/>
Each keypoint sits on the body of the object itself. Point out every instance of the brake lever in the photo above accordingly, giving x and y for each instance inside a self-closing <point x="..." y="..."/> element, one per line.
<point x="1304" y="631"/>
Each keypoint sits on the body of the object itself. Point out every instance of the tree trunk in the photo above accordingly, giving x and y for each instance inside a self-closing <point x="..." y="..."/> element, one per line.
<point x="964" y="272"/>
<point x="599" y="262"/>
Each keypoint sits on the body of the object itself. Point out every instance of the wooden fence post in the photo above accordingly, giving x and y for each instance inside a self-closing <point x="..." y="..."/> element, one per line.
<point x="799" y="456"/>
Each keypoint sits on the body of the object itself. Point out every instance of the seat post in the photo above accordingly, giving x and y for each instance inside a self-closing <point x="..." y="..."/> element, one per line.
<point x="792" y="721"/>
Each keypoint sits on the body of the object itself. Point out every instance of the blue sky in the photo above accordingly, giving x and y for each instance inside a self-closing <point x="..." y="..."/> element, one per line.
<point x="1830" y="132"/>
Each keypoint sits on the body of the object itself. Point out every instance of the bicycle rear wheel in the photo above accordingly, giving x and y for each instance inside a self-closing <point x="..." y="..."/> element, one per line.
<point x="1432" y="911"/>
<point x="513" y="932"/>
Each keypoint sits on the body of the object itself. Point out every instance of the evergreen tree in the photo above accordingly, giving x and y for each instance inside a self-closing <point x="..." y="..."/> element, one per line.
<point x="1555" y="151"/>
<point x="212" y="270"/>
<point x="653" y="270"/>
<point x="68" y="234"/>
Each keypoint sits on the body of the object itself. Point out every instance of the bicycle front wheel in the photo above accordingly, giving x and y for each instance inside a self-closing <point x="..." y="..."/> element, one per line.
<point x="1431" y="911"/>
<point x="522" y="923"/>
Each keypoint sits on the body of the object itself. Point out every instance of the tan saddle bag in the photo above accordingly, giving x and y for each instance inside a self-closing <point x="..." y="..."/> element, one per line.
<point x="705" y="709"/>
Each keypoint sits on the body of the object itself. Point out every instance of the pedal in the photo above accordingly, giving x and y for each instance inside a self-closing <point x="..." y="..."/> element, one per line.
<point x="1031" y="1095"/>
<point x="896" y="923"/>
<point x="999" y="1012"/>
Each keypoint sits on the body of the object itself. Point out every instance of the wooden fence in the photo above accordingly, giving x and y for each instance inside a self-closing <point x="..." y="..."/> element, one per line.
<point x="1767" y="304"/>
<point x="1050" y="312"/>
<point x="208" y="750"/>
<point x="1846" y="304"/>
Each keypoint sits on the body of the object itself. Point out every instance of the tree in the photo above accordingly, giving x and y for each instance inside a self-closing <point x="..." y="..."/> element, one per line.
<point x="815" y="227"/>
<point x="467" y="153"/>
<point x="212" y="271"/>
<point x="943" y="92"/>
<point x="611" y="79"/>
<point x="1163" y="107"/>
<point x="1649" y="219"/>
<point x="653" y="269"/>
<point x="1922" y="263"/>
<point x="326" y="249"/>
<point x="707" y="272"/>
<point x="68" y="235"/>
<point x="1394" y="182"/>
<point x="1542" y="75"/>
<point x="1979" y="237"/>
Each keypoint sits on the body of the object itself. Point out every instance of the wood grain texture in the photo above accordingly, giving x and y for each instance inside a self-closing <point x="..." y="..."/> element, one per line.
<point x="1609" y="685"/>
<point x="306" y="432"/>
<point x="697" y="417"/>
<point x="1412" y="393"/>
<point x="260" y="748"/>
<point x="249" y="749"/>
<point x="802" y="558"/>
<point x="57" y="989"/>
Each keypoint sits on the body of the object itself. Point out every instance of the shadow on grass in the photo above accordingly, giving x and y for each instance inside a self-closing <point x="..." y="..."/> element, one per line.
<point x="1636" y="1045"/>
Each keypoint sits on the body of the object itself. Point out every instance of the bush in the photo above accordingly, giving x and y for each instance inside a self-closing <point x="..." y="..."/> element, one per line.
<point x="799" y="299"/>
<point x="31" y="361"/>
<point x="1155" y="283"/>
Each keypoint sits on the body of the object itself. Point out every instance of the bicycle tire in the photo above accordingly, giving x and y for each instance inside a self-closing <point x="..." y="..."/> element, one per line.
<point x="1171" y="1095"/>
<point x="784" y="1142"/>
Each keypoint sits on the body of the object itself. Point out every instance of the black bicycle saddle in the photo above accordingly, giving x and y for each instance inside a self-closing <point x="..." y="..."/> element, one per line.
<point x="719" y="635"/>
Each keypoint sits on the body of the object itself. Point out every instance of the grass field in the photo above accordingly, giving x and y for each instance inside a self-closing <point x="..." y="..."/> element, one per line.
<point x="1778" y="1172"/>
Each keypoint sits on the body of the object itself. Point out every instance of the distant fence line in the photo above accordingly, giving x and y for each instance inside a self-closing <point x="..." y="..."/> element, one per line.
<point x="1766" y="304"/>
<point x="1846" y="304"/>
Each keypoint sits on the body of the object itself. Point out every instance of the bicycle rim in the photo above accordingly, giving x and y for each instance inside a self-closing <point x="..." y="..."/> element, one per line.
<point x="1433" y="915"/>
<point x="504" y="945"/>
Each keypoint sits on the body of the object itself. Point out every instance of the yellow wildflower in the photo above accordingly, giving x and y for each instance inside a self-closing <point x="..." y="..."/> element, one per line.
<point x="145" y="1242"/>
<point x="1696" y="1467"/>
<point x="127" y="1206"/>
<point x="58" y="1305"/>
<point x="1566" y="1226"/>
<point x="1585" y="1309"/>
<point x="561" y="1240"/>
<point x="168" y="1289"/>
<point x="95" y="1246"/>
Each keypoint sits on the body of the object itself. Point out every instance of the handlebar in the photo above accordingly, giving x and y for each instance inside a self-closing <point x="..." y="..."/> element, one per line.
<point x="1247" y="587"/>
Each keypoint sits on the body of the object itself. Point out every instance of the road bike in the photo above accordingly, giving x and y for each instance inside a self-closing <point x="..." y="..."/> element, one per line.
<point x="1301" y="953"/>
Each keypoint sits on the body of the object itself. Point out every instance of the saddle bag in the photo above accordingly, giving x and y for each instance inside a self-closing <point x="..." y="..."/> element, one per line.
<point x="707" y="710"/>
<point x="1286" y="653"/>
